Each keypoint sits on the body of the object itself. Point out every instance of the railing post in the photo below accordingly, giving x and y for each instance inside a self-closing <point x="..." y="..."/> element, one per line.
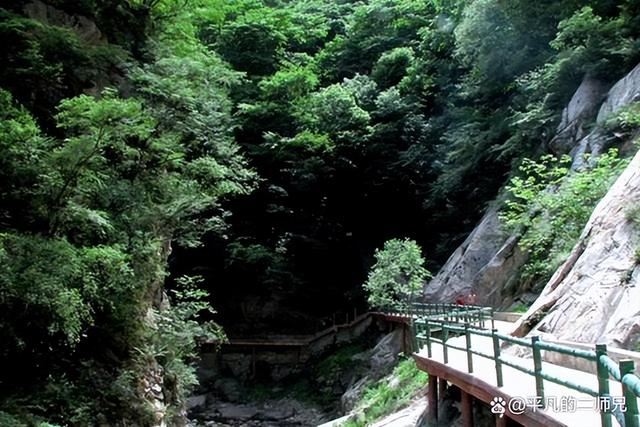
<point x="537" y="368"/>
<point x="603" y="385"/>
<point x="493" y="323"/>
<point x="413" y="330"/>
<point x="631" y="418"/>
<point x="445" y="336"/>
<point x="428" y="332"/>
<point x="468" y="345"/>
<point x="496" y="357"/>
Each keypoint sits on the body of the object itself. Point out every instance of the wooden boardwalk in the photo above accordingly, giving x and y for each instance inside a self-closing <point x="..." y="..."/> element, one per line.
<point x="571" y="409"/>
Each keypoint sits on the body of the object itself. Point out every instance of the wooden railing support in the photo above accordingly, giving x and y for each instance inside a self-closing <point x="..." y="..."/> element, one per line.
<point x="467" y="408"/>
<point x="432" y="396"/>
<point x="442" y="388"/>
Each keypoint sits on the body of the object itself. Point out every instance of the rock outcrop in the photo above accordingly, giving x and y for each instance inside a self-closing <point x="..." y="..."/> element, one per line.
<point x="580" y="111"/>
<point x="379" y="362"/>
<point x="85" y="28"/>
<point x="597" y="286"/>
<point x="623" y="93"/>
<point x="488" y="256"/>
<point x="488" y="263"/>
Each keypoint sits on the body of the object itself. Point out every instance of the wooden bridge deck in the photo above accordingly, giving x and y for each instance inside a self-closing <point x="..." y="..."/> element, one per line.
<point x="482" y="383"/>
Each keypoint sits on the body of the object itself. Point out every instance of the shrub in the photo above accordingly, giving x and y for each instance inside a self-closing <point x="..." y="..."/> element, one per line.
<point x="550" y="205"/>
<point x="397" y="274"/>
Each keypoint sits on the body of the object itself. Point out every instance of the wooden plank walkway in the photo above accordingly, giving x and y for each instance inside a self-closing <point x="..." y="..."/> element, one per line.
<point x="578" y="409"/>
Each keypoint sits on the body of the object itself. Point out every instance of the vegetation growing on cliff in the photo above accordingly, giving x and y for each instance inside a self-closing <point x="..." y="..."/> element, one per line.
<point x="388" y="394"/>
<point x="551" y="205"/>
<point x="267" y="148"/>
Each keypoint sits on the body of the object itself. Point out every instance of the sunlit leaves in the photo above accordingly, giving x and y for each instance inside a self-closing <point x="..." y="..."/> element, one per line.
<point x="398" y="274"/>
<point x="334" y="111"/>
<point x="549" y="206"/>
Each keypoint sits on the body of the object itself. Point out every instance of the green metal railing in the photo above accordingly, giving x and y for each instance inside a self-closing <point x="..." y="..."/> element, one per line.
<point x="456" y="313"/>
<point x="468" y="321"/>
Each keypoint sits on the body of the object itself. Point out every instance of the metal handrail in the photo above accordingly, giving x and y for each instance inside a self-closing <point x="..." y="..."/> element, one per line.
<point x="470" y="320"/>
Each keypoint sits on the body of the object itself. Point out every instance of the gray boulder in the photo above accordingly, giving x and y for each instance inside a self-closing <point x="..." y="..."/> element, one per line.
<point x="196" y="402"/>
<point x="353" y="394"/>
<point x="237" y="412"/>
<point x="385" y="354"/>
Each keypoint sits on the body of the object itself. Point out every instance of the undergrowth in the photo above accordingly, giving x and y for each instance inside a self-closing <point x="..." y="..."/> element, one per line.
<point x="389" y="394"/>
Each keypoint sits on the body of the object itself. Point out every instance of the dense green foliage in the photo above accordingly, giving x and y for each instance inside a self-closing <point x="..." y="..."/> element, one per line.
<point x="372" y="120"/>
<point x="92" y="198"/>
<point x="550" y="206"/>
<point x="260" y="152"/>
<point x="397" y="276"/>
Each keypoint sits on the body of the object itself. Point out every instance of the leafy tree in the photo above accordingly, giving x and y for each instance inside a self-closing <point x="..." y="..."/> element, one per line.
<point x="49" y="63"/>
<point x="374" y="28"/>
<point x="591" y="43"/>
<point x="397" y="275"/>
<point x="392" y="66"/>
<point x="254" y="42"/>
<point x="334" y="111"/>
<point x="108" y="200"/>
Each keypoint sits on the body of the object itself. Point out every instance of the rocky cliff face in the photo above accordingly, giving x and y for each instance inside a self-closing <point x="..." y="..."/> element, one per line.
<point x="597" y="284"/>
<point x="487" y="257"/>
<point x="488" y="262"/>
<point x="86" y="29"/>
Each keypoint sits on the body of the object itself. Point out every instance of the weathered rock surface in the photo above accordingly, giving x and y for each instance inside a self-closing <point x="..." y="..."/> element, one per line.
<point x="593" y="297"/>
<point x="379" y="362"/>
<point x="485" y="262"/>
<point x="281" y="412"/>
<point x="351" y="397"/>
<point x="623" y="93"/>
<point x="410" y="416"/>
<point x="580" y="111"/>
<point x="196" y="402"/>
<point x="488" y="262"/>
<point x="85" y="28"/>
<point x="385" y="354"/>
